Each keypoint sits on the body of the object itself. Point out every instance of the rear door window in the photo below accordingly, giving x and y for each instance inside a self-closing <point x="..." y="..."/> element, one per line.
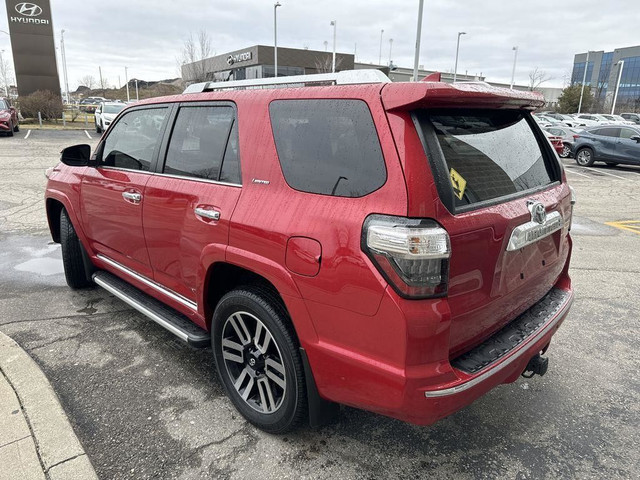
<point x="608" y="132"/>
<point x="329" y="147"/>
<point x="200" y="141"/>
<point x="487" y="154"/>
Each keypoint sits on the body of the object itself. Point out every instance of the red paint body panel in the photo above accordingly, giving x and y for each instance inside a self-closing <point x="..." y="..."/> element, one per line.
<point x="367" y="346"/>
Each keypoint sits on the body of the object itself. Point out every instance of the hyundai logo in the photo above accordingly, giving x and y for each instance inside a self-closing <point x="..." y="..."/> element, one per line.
<point x="28" y="9"/>
<point x="538" y="212"/>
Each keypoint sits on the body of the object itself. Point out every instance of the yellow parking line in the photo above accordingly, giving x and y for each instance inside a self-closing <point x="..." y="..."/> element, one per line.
<point x="629" y="225"/>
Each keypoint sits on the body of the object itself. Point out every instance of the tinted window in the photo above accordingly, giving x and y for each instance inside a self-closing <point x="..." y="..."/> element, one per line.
<point x="608" y="132"/>
<point x="628" y="133"/>
<point x="328" y="146"/>
<point x="133" y="140"/>
<point x="488" y="153"/>
<point x="199" y="142"/>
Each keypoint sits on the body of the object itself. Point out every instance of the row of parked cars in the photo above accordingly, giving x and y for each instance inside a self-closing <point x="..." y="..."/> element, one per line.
<point x="591" y="137"/>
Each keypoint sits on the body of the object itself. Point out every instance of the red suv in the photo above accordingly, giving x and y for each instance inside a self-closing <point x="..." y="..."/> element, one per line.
<point x="8" y="118"/>
<point x="397" y="247"/>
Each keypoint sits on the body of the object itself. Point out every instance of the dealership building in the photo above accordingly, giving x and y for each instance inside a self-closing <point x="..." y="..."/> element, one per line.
<point x="603" y="71"/>
<point x="258" y="62"/>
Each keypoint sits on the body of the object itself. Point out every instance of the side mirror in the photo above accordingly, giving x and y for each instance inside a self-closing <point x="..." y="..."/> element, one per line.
<point x="636" y="138"/>
<point x="76" y="156"/>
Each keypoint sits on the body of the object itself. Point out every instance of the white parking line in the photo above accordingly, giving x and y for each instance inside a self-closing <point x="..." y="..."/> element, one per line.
<point x="612" y="175"/>
<point x="577" y="173"/>
<point x="87" y="134"/>
<point x="27" y="135"/>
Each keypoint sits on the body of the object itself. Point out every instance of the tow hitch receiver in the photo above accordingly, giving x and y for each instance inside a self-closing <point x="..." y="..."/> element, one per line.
<point x="537" y="365"/>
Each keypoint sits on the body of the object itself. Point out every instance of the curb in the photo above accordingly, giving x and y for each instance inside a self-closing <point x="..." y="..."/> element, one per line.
<point x="59" y="451"/>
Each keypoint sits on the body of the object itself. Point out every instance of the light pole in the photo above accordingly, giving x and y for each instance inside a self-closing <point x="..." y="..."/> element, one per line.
<point x="513" y="71"/>
<point x="390" y="47"/>
<point x="584" y="80"/>
<point x="380" y="55"/>
<point x="126" y="80"/>
<point x="275" y="38"/>
<point x="615" y="96"/>
<point x="416" y="60"/>
<point x="333" y="62"/>
<point x="64" y="65"/>
<point x="455" y="69"/>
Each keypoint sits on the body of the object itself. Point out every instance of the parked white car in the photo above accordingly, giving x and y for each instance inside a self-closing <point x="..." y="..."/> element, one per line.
<point x="591" y="120"/>
<point x="106" y="113"/>
<point x="617" y="119"/>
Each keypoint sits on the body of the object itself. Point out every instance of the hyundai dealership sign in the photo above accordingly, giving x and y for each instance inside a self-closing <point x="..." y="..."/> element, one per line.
<point x="32" y="44"/>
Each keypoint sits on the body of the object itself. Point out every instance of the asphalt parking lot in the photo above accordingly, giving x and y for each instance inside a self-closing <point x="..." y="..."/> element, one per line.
<point x="144" y="405"/>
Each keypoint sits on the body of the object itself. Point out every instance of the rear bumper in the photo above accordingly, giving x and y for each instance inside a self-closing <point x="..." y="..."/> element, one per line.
<point x="426" y="391"/>
<point x="425" y="405"/>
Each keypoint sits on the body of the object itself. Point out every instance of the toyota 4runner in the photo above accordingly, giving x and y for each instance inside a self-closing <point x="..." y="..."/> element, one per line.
<point x="335" y="238"/>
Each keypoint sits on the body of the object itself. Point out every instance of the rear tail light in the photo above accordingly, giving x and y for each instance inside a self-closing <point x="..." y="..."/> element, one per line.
<point x="411" y="254"/>
<point x="575" y="137"/>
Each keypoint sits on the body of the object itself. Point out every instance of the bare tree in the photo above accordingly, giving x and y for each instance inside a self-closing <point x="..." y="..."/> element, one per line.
<point x="194" y="52"/>
<point x="88" y="81"/>
<point x="6" y="75"/>
<point x="538" y="77"/>
<point x="324" y="63"/>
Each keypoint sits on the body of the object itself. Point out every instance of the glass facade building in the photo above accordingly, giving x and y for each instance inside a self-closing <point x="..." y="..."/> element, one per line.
<point x="603" y="70"/>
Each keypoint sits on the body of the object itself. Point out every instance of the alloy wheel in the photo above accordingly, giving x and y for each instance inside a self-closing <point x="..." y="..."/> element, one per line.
<point x="253" y="362"/>
<point x="565" y="151"/>
<point x="584" y="157"/>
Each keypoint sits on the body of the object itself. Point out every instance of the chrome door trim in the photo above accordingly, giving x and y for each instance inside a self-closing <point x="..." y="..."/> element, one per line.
<point x="150" y="283"/>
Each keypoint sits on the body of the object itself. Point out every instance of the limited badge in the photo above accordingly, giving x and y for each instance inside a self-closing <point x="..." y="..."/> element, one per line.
<point x="458" y="183"/>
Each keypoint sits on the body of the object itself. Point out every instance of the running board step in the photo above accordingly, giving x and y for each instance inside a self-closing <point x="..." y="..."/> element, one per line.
<point x="178" y="324"/>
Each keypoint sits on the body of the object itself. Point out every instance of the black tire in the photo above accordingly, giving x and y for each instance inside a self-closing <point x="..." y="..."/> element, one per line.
<point x="98" y="129"/>
<point x="584" y="157"/>
<point x="10" y="131"/>
<point x="16" y="127"/>
<point x="238" y="314"/>
<point x="72" y="259"/>
<point x="612" y="164"/>
<point x="566" y="151"/>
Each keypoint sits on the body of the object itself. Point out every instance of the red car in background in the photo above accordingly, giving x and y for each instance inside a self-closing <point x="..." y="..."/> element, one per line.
<point x="556" y="141"/>
<point x="8" y="118"/>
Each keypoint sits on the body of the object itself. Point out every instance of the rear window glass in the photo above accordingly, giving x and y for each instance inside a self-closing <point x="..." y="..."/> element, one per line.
<point x="488" y="154"/>
<point x="328" y="146"/>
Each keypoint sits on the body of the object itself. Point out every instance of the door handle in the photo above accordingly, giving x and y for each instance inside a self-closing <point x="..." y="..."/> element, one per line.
<point x="133" y="197"/>
<point x="210" y="214"/>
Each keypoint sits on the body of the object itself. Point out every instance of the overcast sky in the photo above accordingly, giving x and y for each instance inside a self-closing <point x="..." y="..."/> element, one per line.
<point x="147" y="36"/>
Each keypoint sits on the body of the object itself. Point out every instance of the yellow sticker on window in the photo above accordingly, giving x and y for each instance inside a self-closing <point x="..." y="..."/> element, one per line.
<point x="458" y="183"/>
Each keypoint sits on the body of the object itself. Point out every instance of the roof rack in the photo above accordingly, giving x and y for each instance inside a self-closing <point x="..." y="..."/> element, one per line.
<point x="346" y="77"/>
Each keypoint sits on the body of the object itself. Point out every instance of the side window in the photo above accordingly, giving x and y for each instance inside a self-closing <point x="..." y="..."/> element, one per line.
<point x="627" y="133"/>
<point x="200" y="141"/>
<point x="609" y="132"/>
<point x="329" y="147"/>
<point x="132" y="141"/>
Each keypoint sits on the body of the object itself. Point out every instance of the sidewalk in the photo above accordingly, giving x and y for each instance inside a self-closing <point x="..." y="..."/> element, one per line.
<point x="36" y="438"/>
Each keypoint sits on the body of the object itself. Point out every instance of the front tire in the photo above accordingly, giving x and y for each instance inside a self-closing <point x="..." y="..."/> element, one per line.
<point x="10" y="131"/>
<point x="258" y="359"/>
<point x="98" y="129"/>
<point x="584" y="157"/>
<point x="72" y="258"/>
<point x="16" y="127"/>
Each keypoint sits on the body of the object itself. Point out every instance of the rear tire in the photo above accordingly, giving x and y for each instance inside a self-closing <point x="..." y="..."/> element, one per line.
<point x="255" y="347"/>
<point x="566" y="151"/>
<point x="584" y="157"/>
<point x="10" y="131"/>
<point x="16" y="127"/>
<point x="72" y="259"/>
<point x="98" y="129"/>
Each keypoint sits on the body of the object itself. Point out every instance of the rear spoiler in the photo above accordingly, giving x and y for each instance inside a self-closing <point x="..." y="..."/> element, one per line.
<point x="434" y="94"/>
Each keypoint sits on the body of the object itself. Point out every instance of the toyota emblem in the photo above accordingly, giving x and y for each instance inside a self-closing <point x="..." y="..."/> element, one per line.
<point x="538" y="212"/>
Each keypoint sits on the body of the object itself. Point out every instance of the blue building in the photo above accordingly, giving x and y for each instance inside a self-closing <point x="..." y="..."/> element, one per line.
<point x="603" y="69"/>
